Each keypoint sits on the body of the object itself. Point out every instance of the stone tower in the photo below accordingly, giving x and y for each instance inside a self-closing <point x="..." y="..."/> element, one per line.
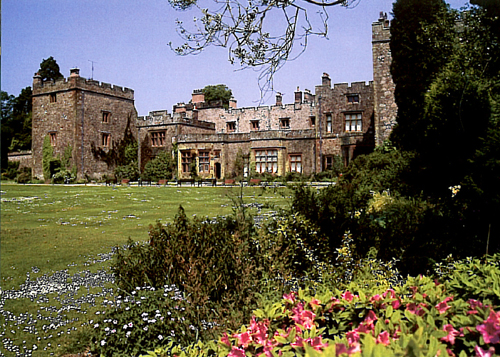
<point x="87" y="118"/>
<point x="384" y="102"/>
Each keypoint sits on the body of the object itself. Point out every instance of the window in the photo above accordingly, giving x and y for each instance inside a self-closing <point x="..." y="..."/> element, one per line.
<point x="216" y="154"/>
<point x="53" y="139"/>
<point x="231" y="126"/>
<point x="329" y="123"/>
<point x="328" y="162"/>
<point x="312" y="121"/>
<point x="158" y="138"/>
<point x="353" y="98"/>
<point x="53" y="97"/>
<point x="254" y="125"/>
<point x="204" y="157"/>
<point x="296" y="163"/>
<point x="105" y="140"/>
<point x="353" y="122"/>
<point x="266" y="161"/>
<point x="285" y="123"/>
<point x="105" y="117"/>
<point x="186" y="159"/>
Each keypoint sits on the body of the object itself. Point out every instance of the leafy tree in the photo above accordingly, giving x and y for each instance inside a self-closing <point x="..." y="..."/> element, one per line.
<point x="159" y="168"/>
<point x="218" y="93"/>
<point x="21" y="121"/>
<point x="7" y="103"/>
<point x="49" y="70"/>
<point x="422" y="35"/>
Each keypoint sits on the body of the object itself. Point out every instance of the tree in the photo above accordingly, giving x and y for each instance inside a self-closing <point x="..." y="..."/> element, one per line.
<point x="159" y="168"/>
<point x="7" y="103"/>
<point x="422" y="35"/>
<point x="218" y="93"/>
<point x="241" y="27"/>
<point x="49" y="70"/>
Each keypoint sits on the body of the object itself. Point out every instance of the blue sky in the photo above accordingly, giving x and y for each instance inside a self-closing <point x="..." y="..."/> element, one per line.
<point x="128" y="41"/>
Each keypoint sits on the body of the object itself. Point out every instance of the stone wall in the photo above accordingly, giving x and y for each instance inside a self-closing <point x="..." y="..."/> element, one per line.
<point x="384" y="102"/>
<point x="79" y="113"/>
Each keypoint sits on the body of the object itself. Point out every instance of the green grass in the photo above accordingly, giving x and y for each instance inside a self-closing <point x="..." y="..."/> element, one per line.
<point x="58" y="228"/>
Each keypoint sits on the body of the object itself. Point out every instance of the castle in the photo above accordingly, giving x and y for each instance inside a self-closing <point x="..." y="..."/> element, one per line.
<point x="91" y="119"/>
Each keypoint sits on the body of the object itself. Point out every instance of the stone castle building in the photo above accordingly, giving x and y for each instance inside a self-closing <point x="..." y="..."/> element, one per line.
<point x="304" y="136"/>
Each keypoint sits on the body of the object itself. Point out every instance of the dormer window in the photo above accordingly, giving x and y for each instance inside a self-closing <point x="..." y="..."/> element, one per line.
<point x="352" y="98"/>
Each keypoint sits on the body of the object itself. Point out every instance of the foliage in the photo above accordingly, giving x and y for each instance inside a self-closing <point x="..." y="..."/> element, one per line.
<point x="49" y="70"/>
<point x="130" y="171"/>
<point x="418" y="318"/>
<point x="238" y="164"/>
<point x="138" y="320"/>
<point x="214" y="264"/>
<point x="11" y="171"/>
<point x="421" y="43"/>
<point x="63" y="176"/>
<point x="24" y="175"/>
<point x="161" y="167"/>
<point x="245" y="29"/>
<point x="218" y="93"/>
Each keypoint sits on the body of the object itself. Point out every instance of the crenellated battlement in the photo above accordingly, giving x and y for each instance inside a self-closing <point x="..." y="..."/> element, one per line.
<point x="353" y="87"/>
<point x="74" y="81"/>
<point x="162" y="117"/>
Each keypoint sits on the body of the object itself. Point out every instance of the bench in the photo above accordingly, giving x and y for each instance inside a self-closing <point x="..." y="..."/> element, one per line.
<point x="209" y="181"/>
<point x="181" y="181"/>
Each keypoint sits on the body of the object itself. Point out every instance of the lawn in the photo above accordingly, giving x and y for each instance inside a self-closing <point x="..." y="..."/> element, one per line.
<point x="56" y="243"/>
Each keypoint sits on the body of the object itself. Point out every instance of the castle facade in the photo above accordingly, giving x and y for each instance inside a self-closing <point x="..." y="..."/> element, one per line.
<point x="305" y="136"/>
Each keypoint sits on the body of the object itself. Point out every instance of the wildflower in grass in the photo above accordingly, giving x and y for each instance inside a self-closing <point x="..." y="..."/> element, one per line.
<point x="452" y="333"/>
<point x="160" y="337"/>
<point x="103" y="342"/>
<point x="490" y="329"/>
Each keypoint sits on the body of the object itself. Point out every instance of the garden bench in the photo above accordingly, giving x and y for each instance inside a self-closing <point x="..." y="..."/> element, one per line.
<point x="181" y="181"/>
<point x="210" y="181"/>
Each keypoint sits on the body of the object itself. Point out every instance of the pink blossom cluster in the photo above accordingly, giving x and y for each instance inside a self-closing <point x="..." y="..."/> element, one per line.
<point x="300" y="321"/>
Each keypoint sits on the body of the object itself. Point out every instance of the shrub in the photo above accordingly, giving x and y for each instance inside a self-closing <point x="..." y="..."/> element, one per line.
<point x="129" y="171"/>
<point x="159" y="168"/>
<point x="214" y="263"/>
<point x="63" y="176"/>
<point x="11" y="171"/>
<point x="24" y="175"/>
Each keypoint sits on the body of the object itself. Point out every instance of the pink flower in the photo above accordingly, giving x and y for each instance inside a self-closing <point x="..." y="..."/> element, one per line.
<point x="370" y="317"/>
<point x="303" y="317"/>
<point x="290" y="297"/>
<point x="482" y="353"/>
<point x="236" y="352"/>
<point x="383" y="338"/>
<point x="389" y="292"/>
<point x="490" y="329"/>
<point x="317" y="343"/>
<point x="244" y="338"/>
<point x="375" y="298"/>
<point x="352" y="337"/>
<point x="452" y="333"/>
<point x="299" y="342"/>
<point x="225" y="339"/>
<point x="314" y="303"/>
<point x="347" y="296"/>
<point x="442" y="307"/>
<point x="396" y="304"/>
<point x="340" y="348"/>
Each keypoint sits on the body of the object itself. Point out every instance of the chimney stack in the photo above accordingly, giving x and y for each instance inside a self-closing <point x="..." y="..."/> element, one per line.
<point x="325" y="80"/>
<point x="74" y="72"/>
<point x="298" y="96"/>
<point x="279" y="99"/>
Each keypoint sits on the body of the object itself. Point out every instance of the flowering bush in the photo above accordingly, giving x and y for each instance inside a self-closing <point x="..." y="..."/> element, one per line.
<point x="417" y="319"/>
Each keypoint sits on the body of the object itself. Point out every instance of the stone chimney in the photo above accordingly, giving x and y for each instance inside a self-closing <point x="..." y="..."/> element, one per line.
<point x="308" y="96"/>
<point x="198" y="96"/>
<point x="74" y="72"/>
<point x="37" y="81"/>
<point x="298" y="96"/>
<point x="279" y="99"/>
<point x="233" y="103"/>
<point x="326" y="81"/>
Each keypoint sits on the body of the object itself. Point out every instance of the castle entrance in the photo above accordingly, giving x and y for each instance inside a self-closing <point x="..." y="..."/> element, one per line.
<point x="217" y="170"/>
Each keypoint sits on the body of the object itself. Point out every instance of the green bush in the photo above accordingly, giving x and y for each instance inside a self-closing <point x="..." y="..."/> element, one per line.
<point x="11" y="171"/>
<point x="159" y="168"/>
<point x="63" y="176"/>
<point x="24" y="175"/>
<point x="129" y="171"/>
<point x="214" y="263"/>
